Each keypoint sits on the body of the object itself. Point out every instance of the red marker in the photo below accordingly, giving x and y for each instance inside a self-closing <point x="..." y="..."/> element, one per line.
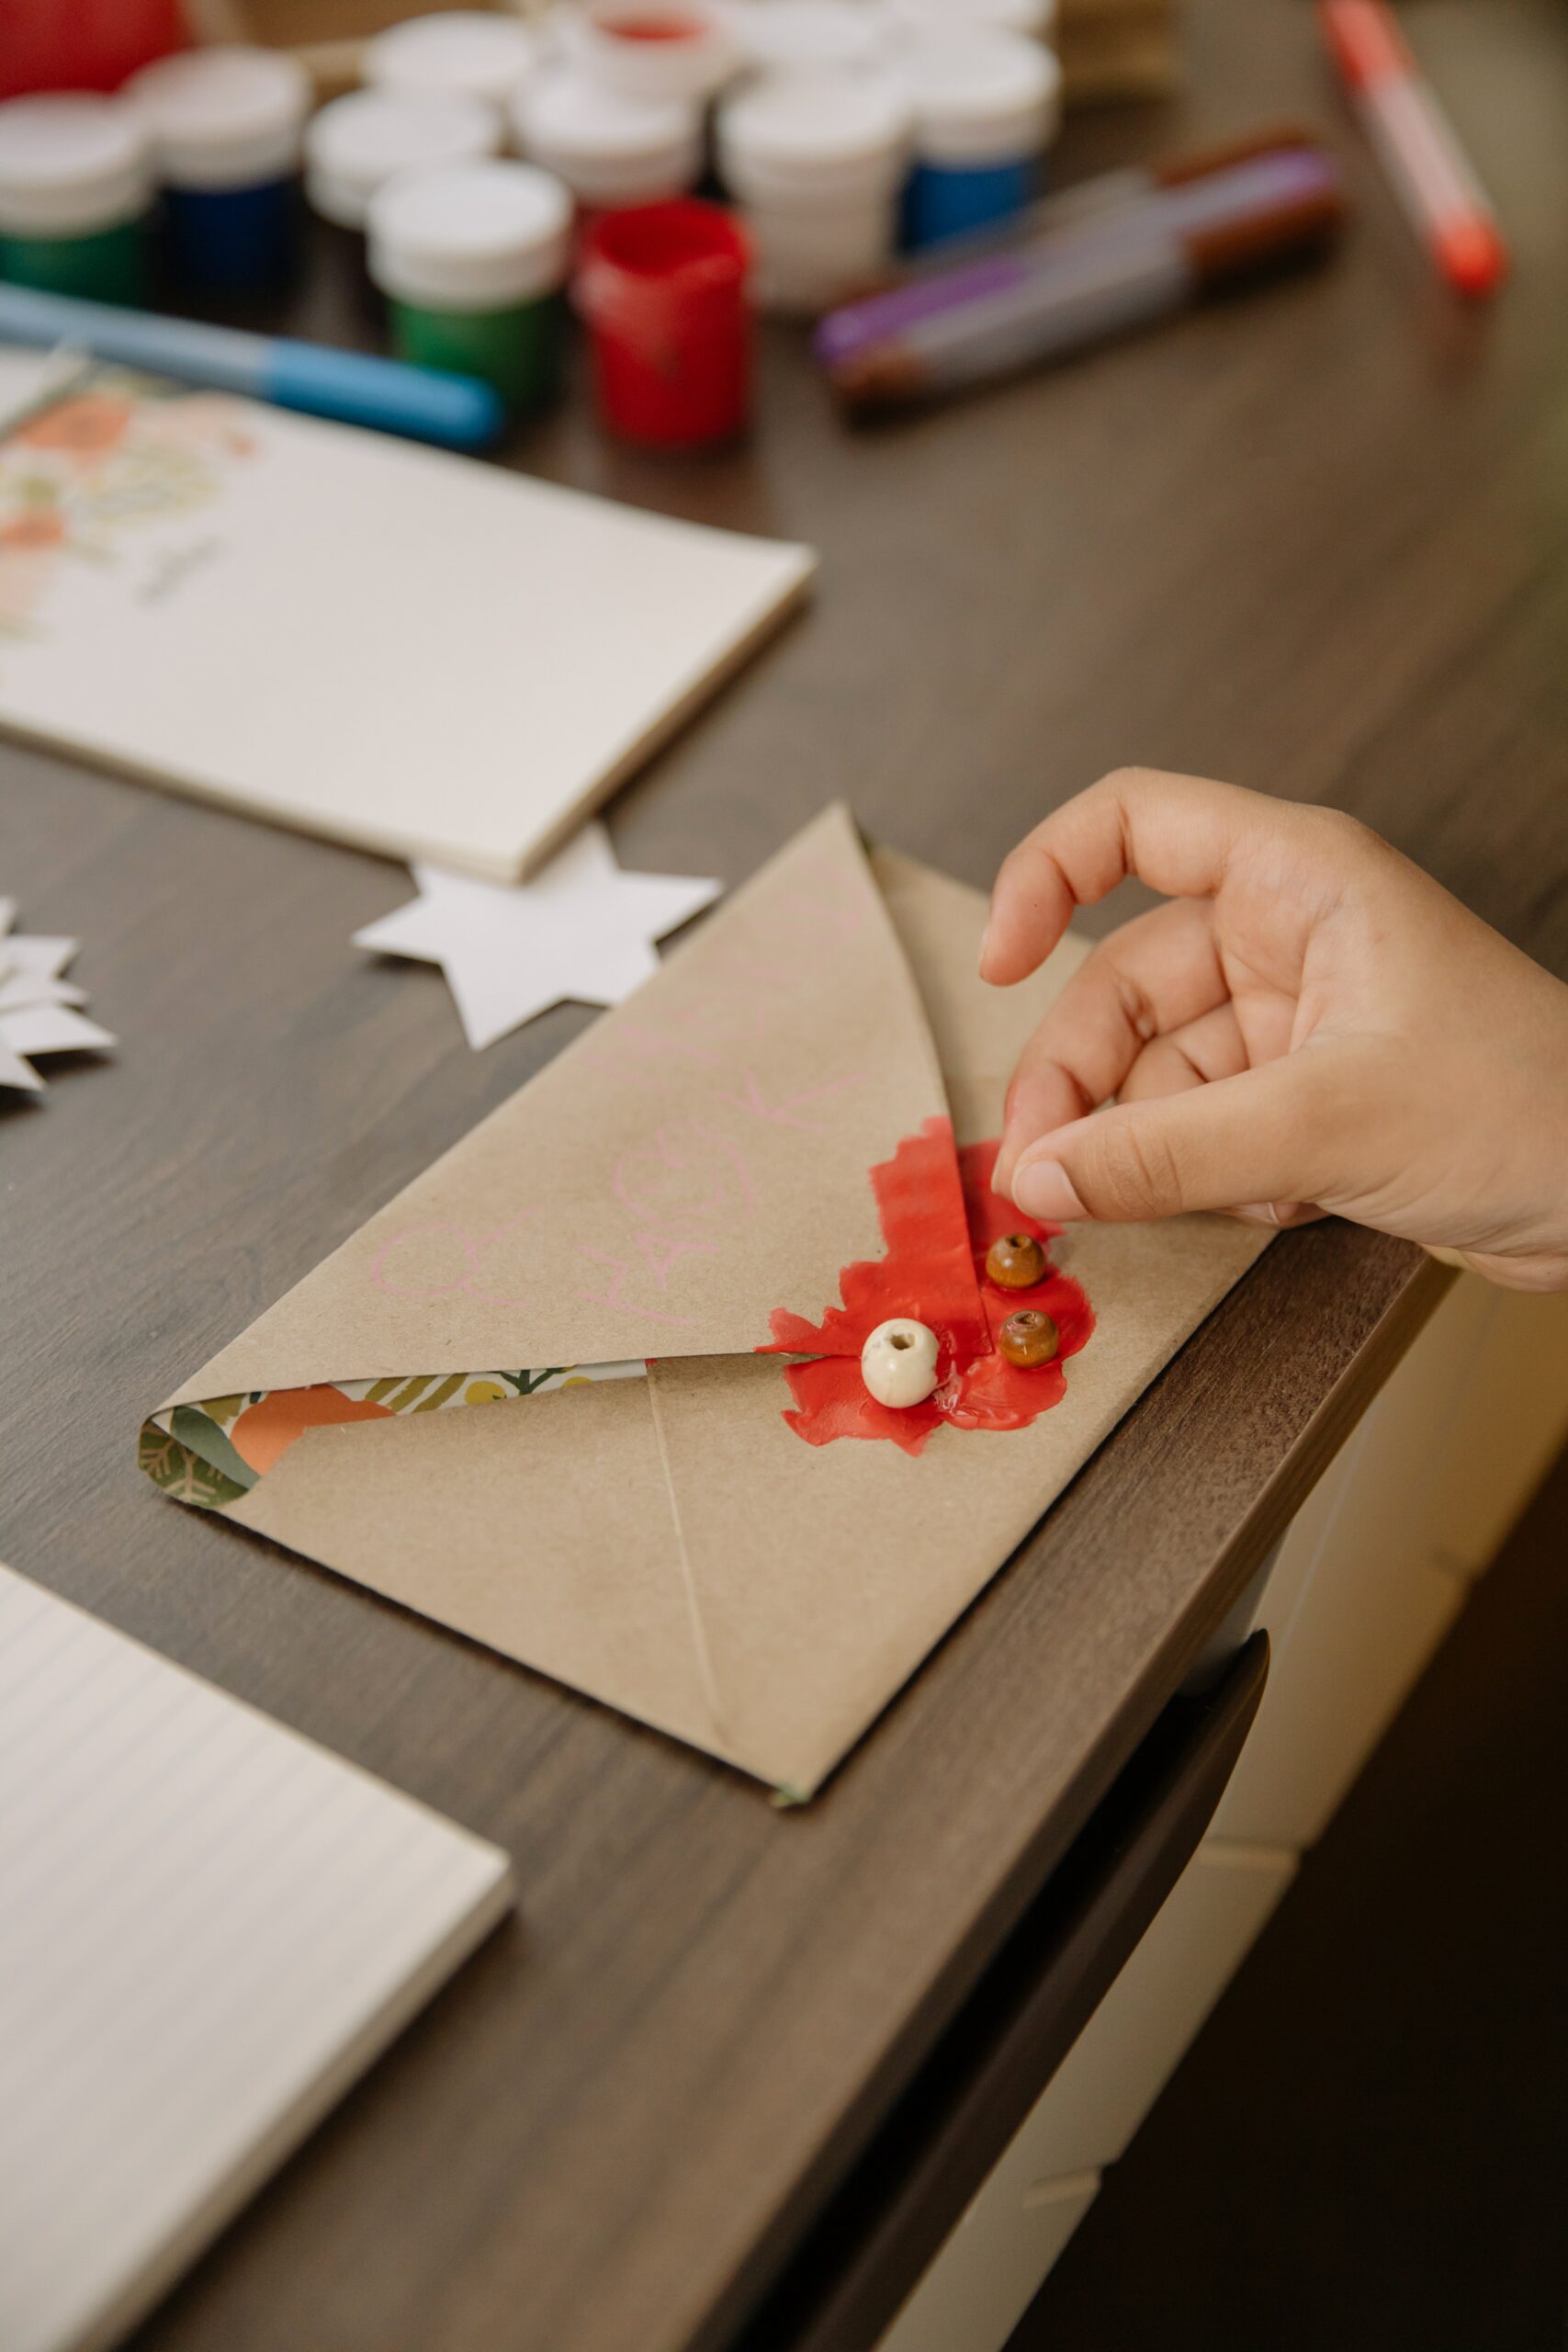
<point x="1416" y="143"/>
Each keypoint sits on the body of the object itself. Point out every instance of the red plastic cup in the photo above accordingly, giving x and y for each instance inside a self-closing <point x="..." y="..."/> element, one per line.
<point x="82" y="44"/>
<point x="661" y="288"/>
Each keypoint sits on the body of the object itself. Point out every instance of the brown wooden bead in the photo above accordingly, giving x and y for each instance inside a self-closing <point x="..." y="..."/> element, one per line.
<point x="1028" y="1339"/>
<point x="1016" y="1262"/>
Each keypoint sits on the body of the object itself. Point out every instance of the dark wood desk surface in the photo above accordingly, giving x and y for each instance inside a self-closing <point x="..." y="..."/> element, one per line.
<point x="1313" y="541"/>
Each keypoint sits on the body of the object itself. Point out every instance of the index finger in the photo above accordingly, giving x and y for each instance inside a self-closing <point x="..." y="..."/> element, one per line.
<point x="1159" y="972"/>
<point x="1177" y="833"/>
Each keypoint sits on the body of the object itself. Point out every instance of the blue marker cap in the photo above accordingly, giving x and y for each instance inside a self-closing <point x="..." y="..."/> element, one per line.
<point x="458" y="411"/>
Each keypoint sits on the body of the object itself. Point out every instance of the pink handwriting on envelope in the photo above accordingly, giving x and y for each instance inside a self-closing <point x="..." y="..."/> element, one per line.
<point x="439" y="1260"/>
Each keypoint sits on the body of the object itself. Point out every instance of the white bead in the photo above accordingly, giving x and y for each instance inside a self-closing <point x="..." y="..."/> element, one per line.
<point x="898" y="1362"/>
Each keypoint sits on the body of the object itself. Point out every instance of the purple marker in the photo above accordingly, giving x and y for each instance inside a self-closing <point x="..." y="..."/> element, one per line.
<point x="1034" y="303"/>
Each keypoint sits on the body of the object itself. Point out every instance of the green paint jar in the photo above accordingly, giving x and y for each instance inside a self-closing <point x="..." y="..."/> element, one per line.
<point x="472" y="258"/>
<point x="75" y="194"/>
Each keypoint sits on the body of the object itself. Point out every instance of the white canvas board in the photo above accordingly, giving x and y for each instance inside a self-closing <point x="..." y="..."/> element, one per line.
<point x="414" y="652"/>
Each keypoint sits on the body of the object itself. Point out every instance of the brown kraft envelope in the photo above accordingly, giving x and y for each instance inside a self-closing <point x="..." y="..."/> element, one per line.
<point x="599" y="1263"/>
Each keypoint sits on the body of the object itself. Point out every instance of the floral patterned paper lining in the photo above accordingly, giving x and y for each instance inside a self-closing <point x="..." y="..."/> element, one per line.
<point x="213" y="1453"/>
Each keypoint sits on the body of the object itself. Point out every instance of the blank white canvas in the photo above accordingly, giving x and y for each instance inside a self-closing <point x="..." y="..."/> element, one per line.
<point x="414" y="652"/>
<point x="207" y="1928"/>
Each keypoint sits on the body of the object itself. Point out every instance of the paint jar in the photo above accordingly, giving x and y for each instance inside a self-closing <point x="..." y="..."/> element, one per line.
<point x="225" y="126"/>
<point x="461" y="52"/>
<point x="816" y="162"/>
<point x="986" y="108"/>
<point x="472" y="258"/>
<point x="75" y="197"/>
<point x="652" y="49"/>
<point x="954" y="20"/>
<point x="355" y="145"/>
<point x="661" y="288"/>
<point x="66" y="45"/>
<point x="811" y="36"/>
<point x="610" y="149"/>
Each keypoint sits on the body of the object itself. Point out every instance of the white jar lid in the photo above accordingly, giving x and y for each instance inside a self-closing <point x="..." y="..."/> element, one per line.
<point x="469" y="236"/>
<point x="809" y="35"/>
<point x="687" y="52"/>
<point x="222" y="118"/>
<point x="358" y="143"/>
<point x="69" y="164"/>
<point x="982" y="97"/>
<point x="809" y="258"/>
<point x="607" y="145"/>
<point x="794" y="134"/>
<point x="932" y="19"/>
<point x="475" y="53"/>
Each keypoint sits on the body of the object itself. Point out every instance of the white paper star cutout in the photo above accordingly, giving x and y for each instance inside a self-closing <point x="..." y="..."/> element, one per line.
<point x="582" y="929"/>
<point x="36" y="1015"/>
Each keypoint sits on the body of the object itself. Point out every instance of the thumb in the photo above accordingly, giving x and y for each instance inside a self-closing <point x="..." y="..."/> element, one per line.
<point x="1261" y="1137"/>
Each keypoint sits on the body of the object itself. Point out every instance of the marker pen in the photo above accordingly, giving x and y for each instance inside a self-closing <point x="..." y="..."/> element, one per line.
<point x="1415" y="143"/>
<point x="349" y="385"/>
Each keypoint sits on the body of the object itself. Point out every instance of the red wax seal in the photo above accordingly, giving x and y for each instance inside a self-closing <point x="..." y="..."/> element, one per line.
<point x="939" y="1218"/>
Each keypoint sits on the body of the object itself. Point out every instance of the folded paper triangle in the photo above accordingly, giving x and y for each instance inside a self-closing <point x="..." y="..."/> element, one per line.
<point x="781" y="1135"/>
<point x="696" y="1158"/>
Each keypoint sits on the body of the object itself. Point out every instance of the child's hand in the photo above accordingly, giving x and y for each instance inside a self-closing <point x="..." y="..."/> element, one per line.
<point x="1314" y="1024"/>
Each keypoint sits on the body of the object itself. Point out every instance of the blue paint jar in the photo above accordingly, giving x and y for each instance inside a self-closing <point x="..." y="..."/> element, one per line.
<point x="226" y="127"/>
<point x="985" y="106"/>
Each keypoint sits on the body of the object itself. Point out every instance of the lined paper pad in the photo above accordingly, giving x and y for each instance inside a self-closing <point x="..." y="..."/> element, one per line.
<point x="208" y="1929"/>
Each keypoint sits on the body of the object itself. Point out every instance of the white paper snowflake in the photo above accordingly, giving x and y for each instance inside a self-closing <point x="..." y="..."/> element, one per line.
<point x="39" y="1010"/>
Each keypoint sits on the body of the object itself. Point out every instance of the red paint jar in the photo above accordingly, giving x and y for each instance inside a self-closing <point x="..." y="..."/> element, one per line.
<point x="661" y="288"/>
<point x="82" y="44"/>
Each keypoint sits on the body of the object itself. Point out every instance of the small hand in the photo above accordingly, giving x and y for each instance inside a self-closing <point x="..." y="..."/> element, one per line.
<point x="1312" y="1024"/>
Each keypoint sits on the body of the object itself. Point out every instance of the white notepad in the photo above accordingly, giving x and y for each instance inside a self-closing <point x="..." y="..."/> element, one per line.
<point x="208" y="1929"/>
<point x="413" y="652"/>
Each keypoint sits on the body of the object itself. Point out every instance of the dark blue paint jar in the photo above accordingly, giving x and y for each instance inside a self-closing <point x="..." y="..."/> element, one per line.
<point x="239" y="237"/>
<point x="226" y="127"/>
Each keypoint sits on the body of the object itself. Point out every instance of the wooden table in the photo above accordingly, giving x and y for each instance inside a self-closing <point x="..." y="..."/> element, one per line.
<point x="1314" y="541"/>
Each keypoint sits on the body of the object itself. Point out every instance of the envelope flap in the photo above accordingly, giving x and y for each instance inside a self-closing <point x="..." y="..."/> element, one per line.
<point x="697" y="1158"/>
<point x="978" y="1032"/>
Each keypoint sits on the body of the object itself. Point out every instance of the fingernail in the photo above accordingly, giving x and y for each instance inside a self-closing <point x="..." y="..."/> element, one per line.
<point x="986" y="945"/>
<point x="1044" y="1190"/>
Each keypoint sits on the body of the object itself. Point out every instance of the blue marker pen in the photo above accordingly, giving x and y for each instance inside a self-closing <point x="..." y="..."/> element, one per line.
<point x="388" y="394"/>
